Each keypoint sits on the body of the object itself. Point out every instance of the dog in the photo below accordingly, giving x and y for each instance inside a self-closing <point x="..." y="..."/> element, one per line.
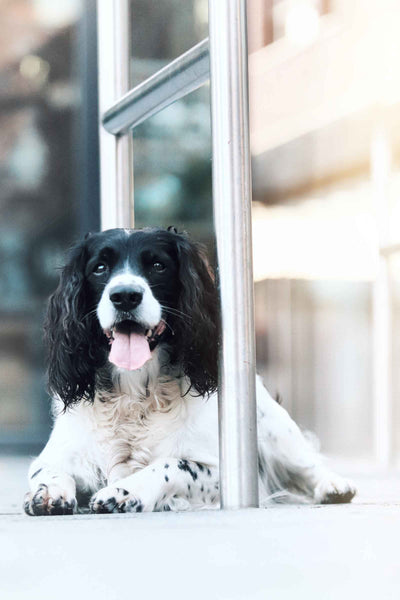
<point x="132" y="333"/>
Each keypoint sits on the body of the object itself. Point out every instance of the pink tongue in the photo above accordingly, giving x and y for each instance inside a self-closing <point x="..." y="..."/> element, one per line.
<point x="129" y="351"/>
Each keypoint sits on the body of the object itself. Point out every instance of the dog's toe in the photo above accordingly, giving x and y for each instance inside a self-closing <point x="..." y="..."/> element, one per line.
<point x="49" y="500"/>
<point x="334" y="490"/>
<point x="112" y="500"/>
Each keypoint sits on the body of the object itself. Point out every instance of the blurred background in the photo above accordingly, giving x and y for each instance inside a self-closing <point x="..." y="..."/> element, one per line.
<point x="325" y="142"/>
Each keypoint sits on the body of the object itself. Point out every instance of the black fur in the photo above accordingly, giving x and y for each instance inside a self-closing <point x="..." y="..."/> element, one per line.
<point x="36" y="473"/>
<point x="77" y="347"/>
<point x="198" y="334"/>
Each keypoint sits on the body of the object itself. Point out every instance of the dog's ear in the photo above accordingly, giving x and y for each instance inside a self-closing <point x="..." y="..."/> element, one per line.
<point x="199" y="325"/>
<point x="75" y="347"/>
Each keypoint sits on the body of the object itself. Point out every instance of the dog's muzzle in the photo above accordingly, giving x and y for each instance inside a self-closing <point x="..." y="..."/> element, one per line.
<point x="132" y="344"/>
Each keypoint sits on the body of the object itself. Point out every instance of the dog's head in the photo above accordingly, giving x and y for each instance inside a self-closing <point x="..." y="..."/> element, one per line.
<point x="122" y="293"/>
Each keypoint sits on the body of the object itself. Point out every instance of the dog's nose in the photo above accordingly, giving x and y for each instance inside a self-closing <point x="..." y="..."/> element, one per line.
<point x="126" y="297"/>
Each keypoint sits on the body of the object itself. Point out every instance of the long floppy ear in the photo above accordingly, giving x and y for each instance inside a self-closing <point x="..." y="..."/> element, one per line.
<point x="72" y="335"/>
<point x="198" y="328"/>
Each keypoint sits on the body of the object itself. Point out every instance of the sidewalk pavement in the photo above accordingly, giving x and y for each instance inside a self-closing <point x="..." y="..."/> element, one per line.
<point x="337" y="552"/>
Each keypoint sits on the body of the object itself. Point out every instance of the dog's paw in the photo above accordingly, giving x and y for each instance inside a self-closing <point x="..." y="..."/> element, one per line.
<point x="114" y="500"/>
<point x="49" y="500"/>
<point x="334" y="490"/>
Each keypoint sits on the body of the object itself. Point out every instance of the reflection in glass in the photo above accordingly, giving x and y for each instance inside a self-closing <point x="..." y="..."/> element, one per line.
<point x="39" y="102"/>
<point x="325" y="108"/>
<point x="173" y="168"/>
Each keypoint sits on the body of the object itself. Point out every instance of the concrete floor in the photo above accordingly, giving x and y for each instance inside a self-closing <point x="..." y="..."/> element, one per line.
<point x="284" y="552"/>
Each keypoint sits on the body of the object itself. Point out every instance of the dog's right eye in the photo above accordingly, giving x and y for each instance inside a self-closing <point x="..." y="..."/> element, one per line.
<point x="99" y="269"/>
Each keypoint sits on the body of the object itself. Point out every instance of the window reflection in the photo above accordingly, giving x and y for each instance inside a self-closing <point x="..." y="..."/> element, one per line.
<point x="173" y="168"/>
<point x="324" y="104"/>
<point x="39" y="104"/>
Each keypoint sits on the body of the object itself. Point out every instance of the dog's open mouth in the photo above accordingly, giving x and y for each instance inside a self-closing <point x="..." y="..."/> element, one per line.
<point x="132" y="344"/>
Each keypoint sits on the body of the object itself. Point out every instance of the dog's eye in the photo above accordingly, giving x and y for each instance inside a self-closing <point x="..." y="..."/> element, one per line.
<point x="99" y="269"/>
<point x="157" y="266"/>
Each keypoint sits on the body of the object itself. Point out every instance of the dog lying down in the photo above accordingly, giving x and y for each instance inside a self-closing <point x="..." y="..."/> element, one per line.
<point x="132" y="336"/>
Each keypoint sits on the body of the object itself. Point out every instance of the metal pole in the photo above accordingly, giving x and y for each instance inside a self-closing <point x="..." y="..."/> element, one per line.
<point x="381" y="302"/>
<point x="88" y="163"/>
<point x="116" y="157"/>
<point x="177" y="79"/>
<point x="232" y="214"/>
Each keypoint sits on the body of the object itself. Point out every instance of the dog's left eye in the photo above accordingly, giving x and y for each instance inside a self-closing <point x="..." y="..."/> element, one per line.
<point x="99" y="269"/>
<point x="157" y="266"/>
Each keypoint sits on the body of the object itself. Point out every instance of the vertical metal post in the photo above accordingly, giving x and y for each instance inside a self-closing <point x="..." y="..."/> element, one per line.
<point x="116" y="157"/>
<point x="87" y="161"/>
<point x="382" y="317"/>
<point x="232" y="214"/>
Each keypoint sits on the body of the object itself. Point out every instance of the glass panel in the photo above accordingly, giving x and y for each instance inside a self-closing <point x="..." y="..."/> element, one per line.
<point x="161" y="31"/>
<point x="325" y="140"/>
<point x="394" y="278"/>
<point x="315" y="263"/>
<point x="39" y="108"/>
<point x="172" y="156"/>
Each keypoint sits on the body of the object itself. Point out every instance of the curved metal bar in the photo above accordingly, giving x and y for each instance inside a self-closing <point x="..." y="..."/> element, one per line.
<point x="177" y="79"/>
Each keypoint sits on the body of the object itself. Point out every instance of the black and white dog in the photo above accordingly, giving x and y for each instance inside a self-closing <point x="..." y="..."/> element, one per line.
<point x="132" y="335"/>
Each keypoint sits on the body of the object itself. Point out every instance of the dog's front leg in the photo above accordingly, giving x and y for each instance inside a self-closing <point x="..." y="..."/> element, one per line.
<point x="52" y="492"/>
<point x="166" y="484"/>
<point x="53" y="474"/>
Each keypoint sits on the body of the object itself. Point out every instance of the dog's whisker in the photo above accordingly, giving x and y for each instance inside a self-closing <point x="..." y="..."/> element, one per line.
<point x="175" y="315"/>
<point x="90" y="313"/>
<point x="175" y="311"/>
<point x="169" y="327"/>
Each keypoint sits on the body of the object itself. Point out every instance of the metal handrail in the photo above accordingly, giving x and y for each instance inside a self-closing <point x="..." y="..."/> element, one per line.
<point x="232" y="212"/>
<point x="174" y="81"/>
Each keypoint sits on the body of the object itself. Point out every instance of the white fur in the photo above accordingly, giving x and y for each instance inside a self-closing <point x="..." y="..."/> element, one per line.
<point x="124" y="440"/>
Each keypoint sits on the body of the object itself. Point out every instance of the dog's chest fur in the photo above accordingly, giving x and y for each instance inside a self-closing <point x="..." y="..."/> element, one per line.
<point x="135" y="426"/>
<point x="148" y="415"/>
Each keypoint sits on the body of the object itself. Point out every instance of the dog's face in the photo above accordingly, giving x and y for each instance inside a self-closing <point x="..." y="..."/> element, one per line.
<point x="122" y="294"/>
<point x="134" y="283"/>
